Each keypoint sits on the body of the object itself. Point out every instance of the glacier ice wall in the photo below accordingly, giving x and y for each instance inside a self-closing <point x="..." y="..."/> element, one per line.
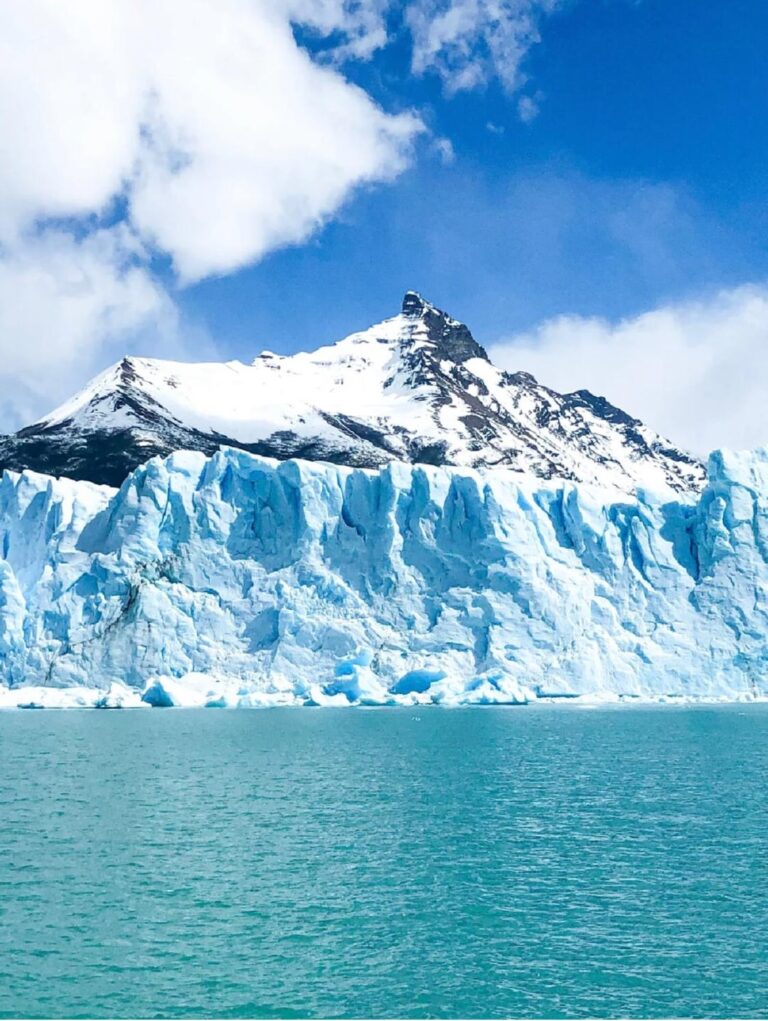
<point x="240" y="580"/>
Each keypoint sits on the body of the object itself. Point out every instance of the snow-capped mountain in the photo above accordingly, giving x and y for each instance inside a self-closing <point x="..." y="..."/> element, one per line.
<point x="416" y="387"/>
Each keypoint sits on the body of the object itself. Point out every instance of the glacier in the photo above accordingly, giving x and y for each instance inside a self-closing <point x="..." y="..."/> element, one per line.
<point x="238" y="580"/>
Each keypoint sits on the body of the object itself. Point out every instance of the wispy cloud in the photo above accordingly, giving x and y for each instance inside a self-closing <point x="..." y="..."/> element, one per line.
<point x="468" y="42"/>
<point x="465" y="42"/>
<point x="355" y="30"/>
<point x="528" y="107"/>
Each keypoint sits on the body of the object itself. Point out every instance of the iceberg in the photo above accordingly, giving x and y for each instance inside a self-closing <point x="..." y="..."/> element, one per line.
<point x="238" y="580"/>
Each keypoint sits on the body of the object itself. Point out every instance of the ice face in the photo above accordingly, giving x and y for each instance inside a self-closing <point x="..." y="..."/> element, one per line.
<point x="238" y="580"/>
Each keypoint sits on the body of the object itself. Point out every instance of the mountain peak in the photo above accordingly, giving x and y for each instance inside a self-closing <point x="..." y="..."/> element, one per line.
<point x="450" y="339"/>
<point x="414" y="305"/>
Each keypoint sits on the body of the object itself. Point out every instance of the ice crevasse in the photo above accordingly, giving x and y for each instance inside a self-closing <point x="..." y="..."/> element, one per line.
<point x="238" y="580"/>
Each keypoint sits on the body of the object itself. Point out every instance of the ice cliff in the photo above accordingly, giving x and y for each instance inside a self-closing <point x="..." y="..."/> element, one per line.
<point x="236" y="579"/>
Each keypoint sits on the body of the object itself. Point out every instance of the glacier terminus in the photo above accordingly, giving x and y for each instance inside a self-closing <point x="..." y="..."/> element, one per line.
<point x="240" y="580"/>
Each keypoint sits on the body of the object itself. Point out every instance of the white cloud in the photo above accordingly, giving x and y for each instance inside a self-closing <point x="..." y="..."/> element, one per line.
<point x="362" y="26"/>
<point x="69" y="124"/>
<point x="695" y="371"/>
<point x="65" y="306"/>
<point x="444" y="149"/>
<point x="528" y="108"/>
<point x="467" y="42"/>
<point x="223" y="135"/>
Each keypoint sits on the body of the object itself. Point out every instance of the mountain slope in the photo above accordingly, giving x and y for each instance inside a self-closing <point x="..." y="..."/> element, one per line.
<point x="416" y="387"/>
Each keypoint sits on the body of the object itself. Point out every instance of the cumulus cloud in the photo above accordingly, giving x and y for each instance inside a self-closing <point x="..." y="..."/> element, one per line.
<point x="222" y="136"/>
<point x="695" y="371"/>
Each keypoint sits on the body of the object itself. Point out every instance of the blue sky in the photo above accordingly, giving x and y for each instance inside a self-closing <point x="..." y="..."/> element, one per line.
<point x="640" y="181"/>
<point x="581" y="181"/>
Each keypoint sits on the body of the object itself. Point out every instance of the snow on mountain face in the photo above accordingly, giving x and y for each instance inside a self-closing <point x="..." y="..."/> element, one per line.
<point x="414" y="388"/>
<point x="241" y="580"/>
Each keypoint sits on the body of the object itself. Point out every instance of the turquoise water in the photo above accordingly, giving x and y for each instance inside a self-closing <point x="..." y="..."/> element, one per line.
<point x="531" y="862"/>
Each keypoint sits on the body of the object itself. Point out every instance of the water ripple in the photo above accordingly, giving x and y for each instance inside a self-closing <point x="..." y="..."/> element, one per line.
<point x="526" y="862"/>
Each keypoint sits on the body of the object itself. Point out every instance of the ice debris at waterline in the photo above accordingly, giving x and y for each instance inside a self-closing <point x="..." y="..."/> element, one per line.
<point x="238" y="580"/>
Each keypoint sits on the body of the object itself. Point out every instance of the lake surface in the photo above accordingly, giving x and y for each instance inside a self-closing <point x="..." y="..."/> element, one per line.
<point x="514" y="861"/>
